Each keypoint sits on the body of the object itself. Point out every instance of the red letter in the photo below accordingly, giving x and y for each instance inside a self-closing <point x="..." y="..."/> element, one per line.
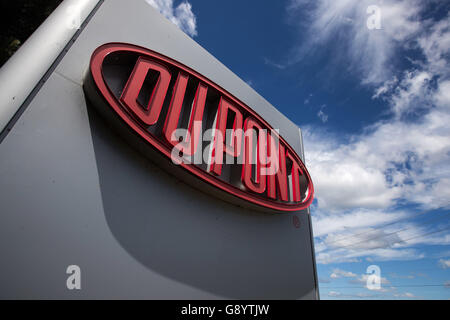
<point x="173" y="116"/>
<point x="134" y="84"/>
<point x="259" y="185"/>
<point x="221" y="125"/>
<point x="296" y="173"/>
<point x="280" y="173"/>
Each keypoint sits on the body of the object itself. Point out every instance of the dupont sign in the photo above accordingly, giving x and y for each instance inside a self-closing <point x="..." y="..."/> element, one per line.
<point x="134" y="164"/>
<point x="198" y="126"/>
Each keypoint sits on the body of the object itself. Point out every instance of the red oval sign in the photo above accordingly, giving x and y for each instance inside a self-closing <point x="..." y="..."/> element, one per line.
<point x="175" y="110"/>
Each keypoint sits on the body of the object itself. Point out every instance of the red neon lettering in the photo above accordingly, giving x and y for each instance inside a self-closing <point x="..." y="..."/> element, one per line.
<point x="173" y="117"/>
<point x="258" y="184"/>
<point x="234" y="149"/>
<point x="279" y="178"/>
<point x="296" y="172"/>
<point x="134" y="84"/>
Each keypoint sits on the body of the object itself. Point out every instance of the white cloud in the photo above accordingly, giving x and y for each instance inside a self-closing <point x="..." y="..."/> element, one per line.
<point x="322" y="280"/>
<point x="415" y="90"/>
<point x="322" y="116"/>
<point x="368" y="239"/>
<point x="435" y="44"/>
<point x="407" y="295"/>
<point x="363" y="280"/>
<point x="274" y="64"/>
<point x="334" y="294"/>
<point x="441" y="238"/>
<point x="349" y="238"/>
<point x="443" y="94"/>
<point x="182" y="16"/>
<point x="334" y="257"/>
<point x="338" y="224"/>
<point x="368" y="51"/>
<point x="411" y="93"/>
<point x="361" y="180"/>
<point x="401" y="276"/>
<point x="444" y="264"/>
<point x="338" y="273"/>
<point x="341" y="179"/>
<point x="395" y="160"/>
<point x="360" y="295"/>
<point x="389" y="292"/>
<point x="386" y="87"/>
<point x="360" y="281"/>
<point x="381" y="254"/>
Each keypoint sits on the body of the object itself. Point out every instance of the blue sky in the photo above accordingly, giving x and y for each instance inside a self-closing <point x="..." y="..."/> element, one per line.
<point x="373" y="101"/>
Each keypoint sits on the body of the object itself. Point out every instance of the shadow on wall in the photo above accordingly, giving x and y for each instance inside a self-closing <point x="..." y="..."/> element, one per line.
<point x="186" y="235"/>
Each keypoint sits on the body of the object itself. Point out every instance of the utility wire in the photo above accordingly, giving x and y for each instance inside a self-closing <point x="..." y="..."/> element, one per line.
<point x="379" y="227"/>
<point x="389" y="286"/>
<point x="426" y="234"/>
<point x="387" y="234"/>
<point x="415" y="237"/>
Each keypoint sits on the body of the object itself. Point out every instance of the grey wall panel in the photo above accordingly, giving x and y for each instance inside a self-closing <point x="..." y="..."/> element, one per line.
<point x="192" y="237"/>
<point x="52" y="213"/>
<point x="73" y="192"/>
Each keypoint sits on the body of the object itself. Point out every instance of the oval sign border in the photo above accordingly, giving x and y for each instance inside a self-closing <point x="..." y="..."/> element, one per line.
<point x="95" y="68"/>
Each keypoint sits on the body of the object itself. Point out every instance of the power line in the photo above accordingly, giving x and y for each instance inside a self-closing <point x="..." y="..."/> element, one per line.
<point x="387" y="234"/>
<point x="426" y="234"/>
<point x="415" y="237"/>
<point x="389" y="286"/>
<point x="382" y="226"/>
